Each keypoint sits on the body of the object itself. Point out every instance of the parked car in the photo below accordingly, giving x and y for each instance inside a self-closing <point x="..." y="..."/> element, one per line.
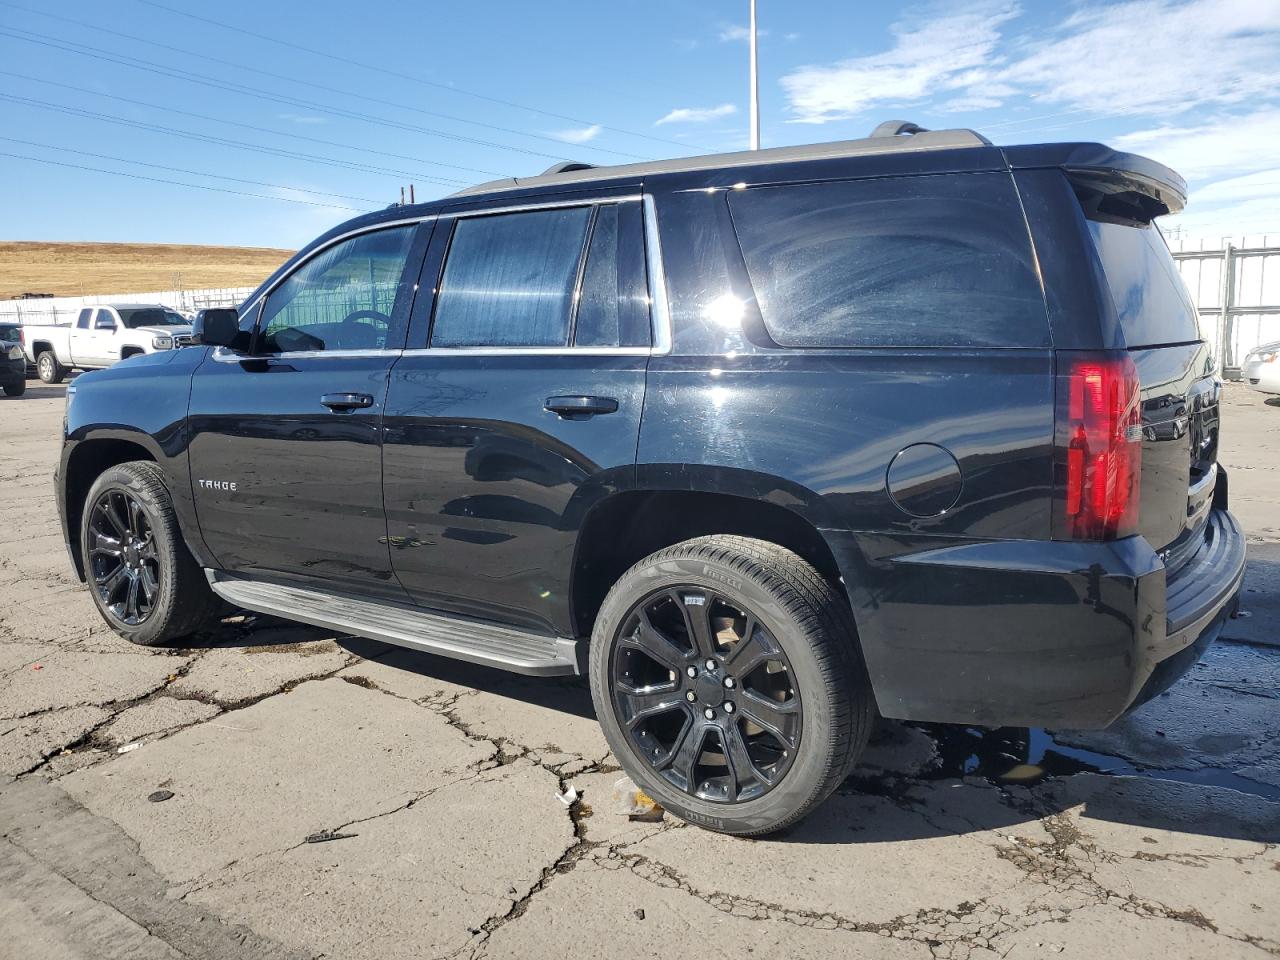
<point x="1261" y="368"/>
<point x="13" y="363"/>
<point x="762" y="443"/>
<point x="102" y="336"/>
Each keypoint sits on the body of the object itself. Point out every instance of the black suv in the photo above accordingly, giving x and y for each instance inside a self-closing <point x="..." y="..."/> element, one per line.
<point x="13" y="362"/>
<point x="763" y="443"/>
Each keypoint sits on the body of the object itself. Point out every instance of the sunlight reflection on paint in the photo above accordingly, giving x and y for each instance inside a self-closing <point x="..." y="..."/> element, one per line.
<point x="725" y="310"/>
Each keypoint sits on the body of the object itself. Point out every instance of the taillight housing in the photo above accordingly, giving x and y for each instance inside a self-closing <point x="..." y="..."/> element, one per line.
<point x="1097" y="446"/>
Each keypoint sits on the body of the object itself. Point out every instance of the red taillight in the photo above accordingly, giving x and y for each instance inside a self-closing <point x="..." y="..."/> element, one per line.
<point x="1099" y="441"/>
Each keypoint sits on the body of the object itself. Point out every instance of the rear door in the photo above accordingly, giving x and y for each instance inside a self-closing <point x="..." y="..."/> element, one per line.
<point x="285" y="440"/>
<point x="1180" y="393"/>
<point x="517" y="405"/>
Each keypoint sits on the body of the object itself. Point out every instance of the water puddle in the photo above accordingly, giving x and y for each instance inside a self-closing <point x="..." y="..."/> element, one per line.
<point x="1014" y="755"/>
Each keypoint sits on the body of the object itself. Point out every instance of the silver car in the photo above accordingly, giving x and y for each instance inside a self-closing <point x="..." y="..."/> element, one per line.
<point x="1261" y="368"/>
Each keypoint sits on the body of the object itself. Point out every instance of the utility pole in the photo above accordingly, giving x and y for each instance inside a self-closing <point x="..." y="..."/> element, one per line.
<point x="755" y="84"/>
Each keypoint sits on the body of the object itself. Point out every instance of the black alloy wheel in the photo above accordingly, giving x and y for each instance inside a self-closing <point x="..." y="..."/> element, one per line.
<point x="703" y="691"/>
<point x="125" y="568"/>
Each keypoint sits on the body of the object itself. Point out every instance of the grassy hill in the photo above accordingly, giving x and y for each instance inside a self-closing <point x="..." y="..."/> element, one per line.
<point x="78" y="269"/>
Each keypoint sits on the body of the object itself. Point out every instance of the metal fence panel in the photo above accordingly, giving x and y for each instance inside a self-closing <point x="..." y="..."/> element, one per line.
<point x="64" y="309"/>
<point x="1236" y="289"/>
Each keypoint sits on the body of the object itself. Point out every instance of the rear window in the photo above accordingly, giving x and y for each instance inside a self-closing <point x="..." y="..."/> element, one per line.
<point x="1151" y="300"/>
<point x="907" y="261"/>
<point x="149" y="317"/>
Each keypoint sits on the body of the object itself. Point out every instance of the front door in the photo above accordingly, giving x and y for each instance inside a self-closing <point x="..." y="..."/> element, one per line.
<point x="521" y="410"/>
<point x="92" y="344"/>
<point x="285" y="439"/>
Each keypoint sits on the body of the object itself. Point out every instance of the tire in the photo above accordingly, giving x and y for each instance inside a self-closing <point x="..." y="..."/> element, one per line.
<point x="15" y="389"/>
<point x="48" y="368"/>
<point x="808" y="644"/>
<point x="181" y="601"/>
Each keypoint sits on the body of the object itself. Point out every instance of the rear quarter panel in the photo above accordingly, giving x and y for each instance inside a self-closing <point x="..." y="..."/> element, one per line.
<point x="815" y="431"/>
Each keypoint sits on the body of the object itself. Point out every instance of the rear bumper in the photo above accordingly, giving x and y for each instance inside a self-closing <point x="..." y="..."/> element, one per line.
<point x="1038" y="633"/>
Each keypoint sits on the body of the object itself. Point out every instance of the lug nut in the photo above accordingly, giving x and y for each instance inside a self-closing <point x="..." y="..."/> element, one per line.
<point x="728" y="707"/>
<point x="711" y="664"/>
<point x="691" y="696"/>
<point x="692" y="672"/>
<point x="728" y="683"/>
<point x="709" y="713"/>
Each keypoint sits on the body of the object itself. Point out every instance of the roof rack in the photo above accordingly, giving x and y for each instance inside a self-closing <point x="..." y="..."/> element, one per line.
<point x="566" y="166"/>
<point x="897" y="128"/>
<point x="894" y="136"/>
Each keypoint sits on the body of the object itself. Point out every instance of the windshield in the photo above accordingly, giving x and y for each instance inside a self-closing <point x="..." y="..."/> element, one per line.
<point x="150" y="317"/>
<point x="9" y="334"/>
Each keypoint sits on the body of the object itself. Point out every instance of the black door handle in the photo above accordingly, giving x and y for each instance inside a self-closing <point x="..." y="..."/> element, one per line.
<point x="580" y="406"/>
<point x="346" y="401"/>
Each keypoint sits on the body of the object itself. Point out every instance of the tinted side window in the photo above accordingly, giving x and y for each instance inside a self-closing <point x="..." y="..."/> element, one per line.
<point x="343" y="298"/>
<point x="82" y="321"/>
<point x="907" y="261"/>
<point x="1151" y="300"/>
<point x="613" y="308"/>
<point x="105" y="320"/>
<point x="509" y="279"/>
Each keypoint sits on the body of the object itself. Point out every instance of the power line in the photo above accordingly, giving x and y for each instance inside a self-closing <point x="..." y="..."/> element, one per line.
<point x="406" y="76"/>
<point x="207" y="138"/>
<point x="307" y="83"/>
<point x="179" y="183"/>
<point x="197" y="173"/>
<point x="245" y="90"/>
<point x="277" y="133"/>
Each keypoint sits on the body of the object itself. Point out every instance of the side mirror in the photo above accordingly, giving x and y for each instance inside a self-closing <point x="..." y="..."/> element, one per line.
<point x="216" y="327"/>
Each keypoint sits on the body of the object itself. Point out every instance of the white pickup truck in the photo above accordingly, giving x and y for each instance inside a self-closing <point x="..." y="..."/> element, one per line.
<point x="103" y="335"/>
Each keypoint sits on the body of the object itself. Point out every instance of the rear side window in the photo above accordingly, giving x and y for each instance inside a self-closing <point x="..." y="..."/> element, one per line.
<point x="1151" y="300"/>
<point x="82" y="321"/>
<point x="509" y="279"/>
<point x="613" y="308"/>
<point x="907" y="261"/>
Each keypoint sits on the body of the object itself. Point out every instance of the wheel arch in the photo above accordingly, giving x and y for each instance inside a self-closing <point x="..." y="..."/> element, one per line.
<point x="85" y="463"/>
<point x="625" y="527"/>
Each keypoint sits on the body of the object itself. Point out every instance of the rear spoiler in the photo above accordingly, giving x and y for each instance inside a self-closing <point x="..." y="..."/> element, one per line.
<point x="1109" y="183"/>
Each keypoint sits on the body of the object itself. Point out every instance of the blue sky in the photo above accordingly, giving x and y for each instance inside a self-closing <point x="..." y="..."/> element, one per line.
<point x="319" y="106"/>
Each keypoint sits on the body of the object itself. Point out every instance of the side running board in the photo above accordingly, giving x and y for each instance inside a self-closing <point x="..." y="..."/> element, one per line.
<point x="492" y="645"/>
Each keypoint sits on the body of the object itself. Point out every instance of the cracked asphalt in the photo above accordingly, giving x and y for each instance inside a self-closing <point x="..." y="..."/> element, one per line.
<point x="159" y="803"/>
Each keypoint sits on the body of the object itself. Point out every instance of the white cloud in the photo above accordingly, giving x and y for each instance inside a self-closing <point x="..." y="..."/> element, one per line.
<point x="697" y="114"/>
<point x="1130" y="58"/>
<point x="1155" y="56"/>
<point x="1225" y="144"/>
<point x="737" y="32"/>
<point x="579" y="134"/>
<point x="932" y="53"/>
<point x="1232" y="207"/>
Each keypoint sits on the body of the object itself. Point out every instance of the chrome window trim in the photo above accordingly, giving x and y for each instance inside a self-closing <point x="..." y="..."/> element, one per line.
<point x="656" y="276"/>
<point x="368" y="228"/>
<point x="528" y="351"/>
<point x="660" y="309"/>
<point x="225" y="355"/>
<point x="543" y="205"/>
